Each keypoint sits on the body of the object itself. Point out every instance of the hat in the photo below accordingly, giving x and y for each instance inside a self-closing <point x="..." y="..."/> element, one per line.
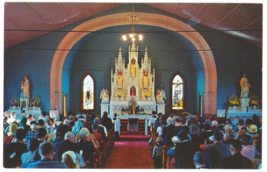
<point x="253" y="129"/>
<point x="13" y="128"/>
<point x="175" y="139"/>
<point x="227" y="127"/>
<point x="71" y="154"/>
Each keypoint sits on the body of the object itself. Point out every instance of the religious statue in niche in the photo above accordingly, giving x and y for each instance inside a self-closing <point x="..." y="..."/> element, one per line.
<point x="145" y="80"/>
<point x="104" y="96"/>
<point x="132" y="68"/>
<point x="244" y="83"/>
<point x="119" y="79"/>
<point x="160" y="96"/>
<point x="25" y="87"/>
<point x="133" y="91"/>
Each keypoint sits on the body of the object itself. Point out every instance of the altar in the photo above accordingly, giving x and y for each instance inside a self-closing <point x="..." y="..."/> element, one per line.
<point x="132" y="86"/>
<point x="146" y="118"/>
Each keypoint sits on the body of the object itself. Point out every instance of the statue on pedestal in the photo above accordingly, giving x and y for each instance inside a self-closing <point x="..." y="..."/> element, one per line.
<point x="104" y="96"/>
<point x="160" y="96"/>
<point x="25" y="87"/>
<point x="244" y="83"/>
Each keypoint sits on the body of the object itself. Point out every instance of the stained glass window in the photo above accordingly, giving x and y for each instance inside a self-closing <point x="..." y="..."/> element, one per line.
<point x="88" y="93"/>
<point x="177" y="93"/>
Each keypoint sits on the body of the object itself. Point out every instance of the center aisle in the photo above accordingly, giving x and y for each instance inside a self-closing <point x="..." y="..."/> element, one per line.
<point x="131" y="155"/>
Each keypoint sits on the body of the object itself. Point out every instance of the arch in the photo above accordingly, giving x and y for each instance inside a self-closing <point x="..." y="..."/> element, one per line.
<point x="184" y="90"/>
<point x="150" y="19"/>
<point x="85" y="75"/>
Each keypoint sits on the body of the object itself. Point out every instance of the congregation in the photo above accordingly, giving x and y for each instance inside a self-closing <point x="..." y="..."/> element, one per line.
<point x="73" y="142"/>
<point x="206" y="143"/>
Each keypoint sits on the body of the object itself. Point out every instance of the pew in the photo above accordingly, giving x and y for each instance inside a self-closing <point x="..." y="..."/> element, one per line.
<point x="164" y="156"/>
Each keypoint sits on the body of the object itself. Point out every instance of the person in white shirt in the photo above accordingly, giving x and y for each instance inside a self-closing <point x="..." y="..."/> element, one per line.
<point x="12" y="118"/>
<point x="117" y="125"/>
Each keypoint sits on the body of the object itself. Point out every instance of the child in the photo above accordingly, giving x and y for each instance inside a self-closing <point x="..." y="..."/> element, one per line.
<point x="117" y="123"/>
<point x="157" y="153"/>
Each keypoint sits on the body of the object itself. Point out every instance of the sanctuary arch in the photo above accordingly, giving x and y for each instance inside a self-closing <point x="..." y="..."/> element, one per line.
<point x="144" y="19"/>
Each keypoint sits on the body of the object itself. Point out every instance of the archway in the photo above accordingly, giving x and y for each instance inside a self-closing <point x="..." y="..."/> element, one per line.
<point x="143" y="19"/>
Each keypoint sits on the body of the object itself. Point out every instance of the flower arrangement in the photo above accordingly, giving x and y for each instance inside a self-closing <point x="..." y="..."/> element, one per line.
<point x="234" y="102"/>
<point x="34" y="103"/>
<point x="14" y="103"/>
<point x="119" y="93"/>
<point x="146" y="93"/>
<point x="254" y="102"/>
<point x="180" y="103"/>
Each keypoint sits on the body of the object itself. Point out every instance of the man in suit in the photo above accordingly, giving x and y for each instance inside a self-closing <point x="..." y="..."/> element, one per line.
<point x="66" y="145"/>
<point x="168" y="133"/>
<point x="222" y="148"/>
<point x="237" y="160"/>
<point x="101" y="128"/>
<point x="185" y="151"/>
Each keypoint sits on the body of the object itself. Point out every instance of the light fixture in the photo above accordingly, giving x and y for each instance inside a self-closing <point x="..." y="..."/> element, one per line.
<point x="133" y="35"/>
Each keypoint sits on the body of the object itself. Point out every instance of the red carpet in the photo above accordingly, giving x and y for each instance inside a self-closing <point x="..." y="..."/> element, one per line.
<point x="131" y="155"/>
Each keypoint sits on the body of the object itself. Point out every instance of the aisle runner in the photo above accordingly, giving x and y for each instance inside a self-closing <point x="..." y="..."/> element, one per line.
<point x="131" y="155"/>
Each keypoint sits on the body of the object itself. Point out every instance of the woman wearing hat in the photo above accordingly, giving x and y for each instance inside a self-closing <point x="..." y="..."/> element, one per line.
<point x="252" y="131"/>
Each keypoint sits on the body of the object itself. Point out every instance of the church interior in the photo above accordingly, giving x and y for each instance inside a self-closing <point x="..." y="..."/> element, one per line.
<point x="163" y="83"/>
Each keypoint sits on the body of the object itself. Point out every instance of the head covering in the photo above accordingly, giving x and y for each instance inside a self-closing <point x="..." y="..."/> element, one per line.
<point x="13" y="128"/>
<point x="175" y="139"/>
<point x="227" y="127"/>
<point x="253" y="129"/>
<point x="66" y="122"/>
<point x="23" y="122"/>
<point x="71" y="154"/>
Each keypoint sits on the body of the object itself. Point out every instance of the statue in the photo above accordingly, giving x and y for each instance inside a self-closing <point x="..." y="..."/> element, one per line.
<point x="104" y="96"/>
<point x="145" y="80"/>
<point x="160" y="96"/>
<point x="132" y="68"/>
<point x="25" y="87"/>
<point x="119" y="80"/>
<point x="132" y="91"/>
<point x="244" y="83"/>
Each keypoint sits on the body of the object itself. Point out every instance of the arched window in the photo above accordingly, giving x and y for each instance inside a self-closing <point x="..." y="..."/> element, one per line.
<point x="178" y="92"/>
<point x="87" y="95"/>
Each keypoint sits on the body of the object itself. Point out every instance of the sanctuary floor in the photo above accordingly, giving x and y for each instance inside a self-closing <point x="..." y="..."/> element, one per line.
<point x="131" y="155"/>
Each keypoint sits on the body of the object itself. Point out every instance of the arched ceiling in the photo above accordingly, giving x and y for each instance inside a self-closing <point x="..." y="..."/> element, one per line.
<point x="240" y="20"/>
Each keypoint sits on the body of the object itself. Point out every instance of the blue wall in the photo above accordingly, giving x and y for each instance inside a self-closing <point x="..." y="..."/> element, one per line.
<point x="233" y="58"/>
<point x="166" y="63"/>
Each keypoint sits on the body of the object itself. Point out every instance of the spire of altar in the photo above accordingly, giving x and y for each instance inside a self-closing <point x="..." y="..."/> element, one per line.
<point x="146" y="56"/>
<point x="133" y="46"/>
<point x="120" y="56"/>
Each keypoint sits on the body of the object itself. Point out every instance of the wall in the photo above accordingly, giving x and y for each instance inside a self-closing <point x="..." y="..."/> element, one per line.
<point x="166" y="63"/>
<point x="233" y="58"/>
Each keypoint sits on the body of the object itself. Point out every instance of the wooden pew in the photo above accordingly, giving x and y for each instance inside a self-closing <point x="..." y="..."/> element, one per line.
<point x="164" y="157"/>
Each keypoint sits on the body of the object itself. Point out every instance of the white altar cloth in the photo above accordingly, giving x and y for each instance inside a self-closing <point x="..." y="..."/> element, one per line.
<point x="241" y="115"/>
<point x="140" y="117"/>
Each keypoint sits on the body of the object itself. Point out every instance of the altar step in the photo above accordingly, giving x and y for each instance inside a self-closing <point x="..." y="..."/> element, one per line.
<point x="137" y="136"/>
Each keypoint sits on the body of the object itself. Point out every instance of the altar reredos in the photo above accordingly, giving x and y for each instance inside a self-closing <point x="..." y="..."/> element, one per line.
<point x="133" y="82"/>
